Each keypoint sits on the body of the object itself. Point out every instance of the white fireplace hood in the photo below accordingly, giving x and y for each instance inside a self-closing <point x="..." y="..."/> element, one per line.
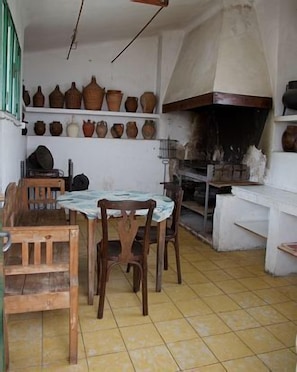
<point x="221" y="61"/>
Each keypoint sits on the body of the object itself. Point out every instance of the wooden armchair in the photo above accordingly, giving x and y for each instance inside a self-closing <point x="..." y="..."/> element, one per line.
<point x="43" y="275"/>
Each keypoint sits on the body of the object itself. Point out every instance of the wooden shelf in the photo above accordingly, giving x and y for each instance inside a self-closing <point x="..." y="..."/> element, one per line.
<point x="286" y="118"/>
<point x="54" y="111"/>
<point x="195" y="207"/>
<point x="290" y="248"/>
<point x="259" y="227"/>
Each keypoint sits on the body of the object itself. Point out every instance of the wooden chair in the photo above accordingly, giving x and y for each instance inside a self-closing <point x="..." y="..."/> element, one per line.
<point x="39" y="195"/>
<point x="175" y="192"/>
<point x="44" y="276"/>
<point x="9" y="207"/>
<point x="124" y="249"/>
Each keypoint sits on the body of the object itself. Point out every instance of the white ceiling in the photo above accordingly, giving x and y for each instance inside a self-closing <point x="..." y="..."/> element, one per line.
<point x="50" y="23"/>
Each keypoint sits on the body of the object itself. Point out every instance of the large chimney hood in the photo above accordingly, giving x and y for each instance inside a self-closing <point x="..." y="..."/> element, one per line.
<point x="221" y="62"/>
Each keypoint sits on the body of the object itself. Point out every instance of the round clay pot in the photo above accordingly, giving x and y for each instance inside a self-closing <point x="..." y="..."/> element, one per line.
<point x="26" y="97"/>
<point x="56" y="128"/>
<point x="93" y="95"/>
<point x="289" y="98"/>
<point x="117" y="130"/>
<point x="289" y="139"/>
<point x="101" y="129"/>
<point x="88" y="128"/>
<point x="131" y="104"/>
<point x="39" y="128"/>
<point x="148" y="129"/>
<point x="72" y="129"/>
<point x="148" y="102"/>
<point x="131" y="129"/>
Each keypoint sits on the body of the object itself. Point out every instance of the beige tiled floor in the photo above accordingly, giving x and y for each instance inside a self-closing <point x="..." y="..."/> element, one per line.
<point x="228" y="315"/>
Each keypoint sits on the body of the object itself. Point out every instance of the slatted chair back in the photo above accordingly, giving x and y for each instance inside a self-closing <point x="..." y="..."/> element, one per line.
<point x="44" y="276"/>
<point x="9" y="207"/>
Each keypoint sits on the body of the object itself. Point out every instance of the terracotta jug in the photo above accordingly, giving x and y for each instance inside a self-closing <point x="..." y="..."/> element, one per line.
<point x="114" y="100"/>
<point x="93" y="95"/>
<point x="117" y="130"/>
<point x="148" y="129"/>
<point x="56" y="98"/>
<point x="26" y="96"/>
<point x="38" y="98"/>
<point x="39" y="128"/>
<point x="148" y="102"/>
<point x="101" y="129"/>
<point x="88" y="128"/>
<point x="131" y="129"/>
<point x="131" y="104"/>
<point x="73" y="97"/>
<point x="56" y="128"/>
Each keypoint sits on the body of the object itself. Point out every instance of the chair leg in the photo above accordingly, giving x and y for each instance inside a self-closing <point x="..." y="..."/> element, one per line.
<point x="177" y="258"/>
<point x="102" y="290"/>
<point x="73" y="325"/>
<point x="136" y="277"/>
<point x="144" y="291"/>
<point x="6" y="347"/>
<point x="166" y="256"/>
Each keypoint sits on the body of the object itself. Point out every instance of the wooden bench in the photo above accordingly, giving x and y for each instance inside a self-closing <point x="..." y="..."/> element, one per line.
<point x="33" y="202"/>
<point x="41" y="273"/>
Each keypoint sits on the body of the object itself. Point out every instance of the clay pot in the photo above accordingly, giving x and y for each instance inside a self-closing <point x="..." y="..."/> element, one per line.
<point x="131" y="129"/>
<point x="73" y="97"/>
<point x="290" y="96"/>
<point x="148" y="129"/>
<point x="101" y="129"/>
<point x="131" y="104"/>
<point x="72" y="129"/>
<point x="88" y="128"/>
<point x="26" y="97"/>
<point x="56" y="98"/>
<point x="289" y="139"/>
<point x="38" y="98"/>
<point x="117" y="130"/>
<point x="56" y="128"/>
<point x="148" y="102"/>
<point x="114" y="100"/>
<point x="93" y="95"/>
<point x="39" y="128"/>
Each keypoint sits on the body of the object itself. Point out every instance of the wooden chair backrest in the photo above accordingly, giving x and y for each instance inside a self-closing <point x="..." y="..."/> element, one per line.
<point x="9" y="207"/>
<point x="176" y="193"/>
<point x="41" y="193"/>
<point x="44" y="276"/>
<point x="126" y="225"/>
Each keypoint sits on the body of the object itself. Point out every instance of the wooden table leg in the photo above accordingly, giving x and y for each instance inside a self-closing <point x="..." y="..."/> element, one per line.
<point x="91" y="260"/>
<point x="72" y="217"/>
<point x="160" y="254"/>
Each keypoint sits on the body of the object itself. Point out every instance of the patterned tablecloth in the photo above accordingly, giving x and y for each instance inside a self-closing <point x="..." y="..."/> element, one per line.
<point x="86" y="202"/>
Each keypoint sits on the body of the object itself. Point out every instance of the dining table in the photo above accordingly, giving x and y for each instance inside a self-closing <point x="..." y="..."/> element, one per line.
<point x="86" y="202"/>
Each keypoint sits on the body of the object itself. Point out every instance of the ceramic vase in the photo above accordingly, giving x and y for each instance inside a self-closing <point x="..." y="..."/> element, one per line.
<point x="148" y="129"/>
<point x="101" y="129"/>
<point x="38" y="98"/>
<point x="93" y="95"/>
<point x="117" y="130"/>
<point x="289" y="98"/>
<point x="131" y="104"/>
<point x="56" y="98"/>
<point x="88" y="128"/>
<point x="56" y="128"/>
<point x="73" y="97"/>
<point x="148" y="101"/>
<point x="114" y="100"/>
<point x="26" y="97"/>
<point x="72" y="129"/>
<point x="289" y="139"/>
<point x="39" y="128"/>
<point x="131" y="129"/>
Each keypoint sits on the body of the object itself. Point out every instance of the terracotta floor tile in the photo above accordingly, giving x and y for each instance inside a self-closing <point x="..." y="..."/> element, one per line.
<point x="250" y="364"/>
<point x="271" y="295"/>
<point x="254" y="283"/>
<point x="217" y="275"/>
<point x="180" y="293"/>
<point x="288" y="309"/>
<point x="101" y="342"/>
<point x="230" y="286"/>
<point x="285" y="332"/>
<point x="118" y="362"/>
<point x="206" y="289"/>
<point x="266" y="315"/>
<point x="280" y="360"/>
<point x="207" y="325"/>
<point x="140" y="336"/>
<point x="193" y="307"/>
<point x="238" y="319"/>
<point x="247" y="299"/>
<point x="167" y="311"/>
<point x="221" y="303"/>
<point x="130" y="316"/>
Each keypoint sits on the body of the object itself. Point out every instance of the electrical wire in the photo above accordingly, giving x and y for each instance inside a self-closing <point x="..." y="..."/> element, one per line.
<point x="136" y="36"/>
<point x="73" y="40"/>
